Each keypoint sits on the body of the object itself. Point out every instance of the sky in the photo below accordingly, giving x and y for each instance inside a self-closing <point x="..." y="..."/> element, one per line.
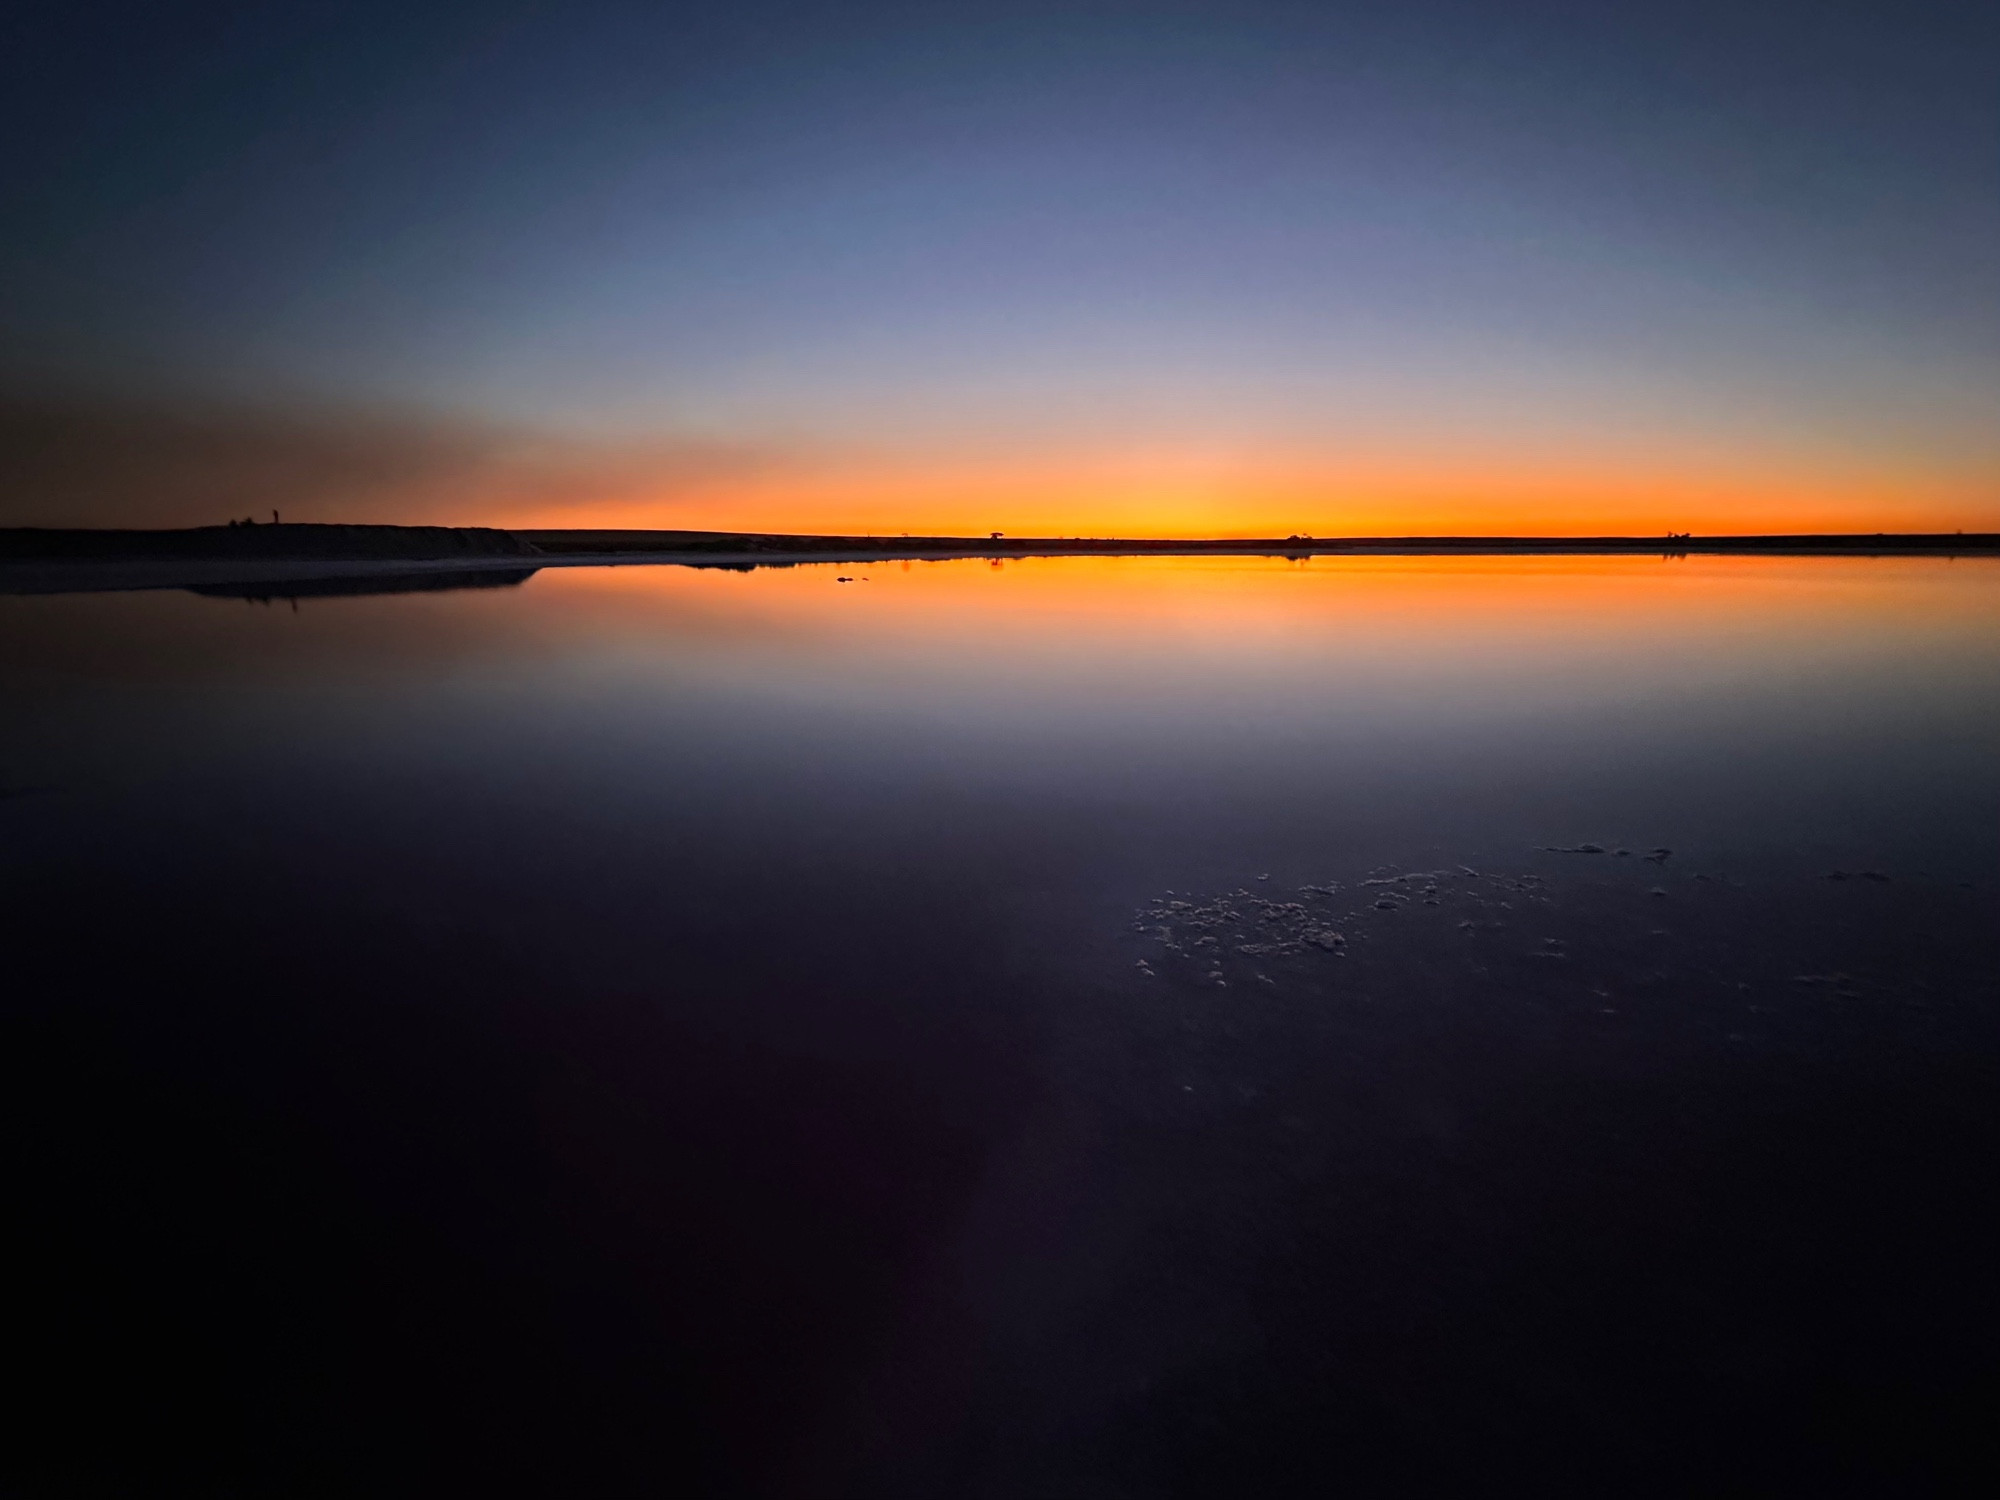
<point x="1082" y="268"/>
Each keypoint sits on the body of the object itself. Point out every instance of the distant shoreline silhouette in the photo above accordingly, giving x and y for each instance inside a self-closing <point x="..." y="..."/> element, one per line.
<point x="268" y="560"/>
<point x="293" y="541"/>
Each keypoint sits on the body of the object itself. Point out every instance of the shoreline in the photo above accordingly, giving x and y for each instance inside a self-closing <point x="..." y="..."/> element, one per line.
<point x="760" y="545"/>
<point x="46" y="560"/>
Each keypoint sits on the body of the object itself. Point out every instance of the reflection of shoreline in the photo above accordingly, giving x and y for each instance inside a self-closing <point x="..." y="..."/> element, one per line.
<point x="298" y="561"/>
<point x="298" y="579"/>
<point x="366" y="584"/>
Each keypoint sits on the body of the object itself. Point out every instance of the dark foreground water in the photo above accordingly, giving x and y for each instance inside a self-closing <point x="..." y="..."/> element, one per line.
<point x="1076" y="1028"/>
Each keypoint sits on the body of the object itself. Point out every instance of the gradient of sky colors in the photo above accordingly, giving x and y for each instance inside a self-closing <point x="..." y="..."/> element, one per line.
<point x="1182" y="268"/>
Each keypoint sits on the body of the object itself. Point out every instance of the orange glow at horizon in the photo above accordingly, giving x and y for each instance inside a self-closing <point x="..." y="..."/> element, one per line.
<point x="1250" y="498"/>
<point x="104" y="467"/>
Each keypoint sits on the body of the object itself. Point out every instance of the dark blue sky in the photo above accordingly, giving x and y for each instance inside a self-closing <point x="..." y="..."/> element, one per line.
<point x="1274" y="240"/>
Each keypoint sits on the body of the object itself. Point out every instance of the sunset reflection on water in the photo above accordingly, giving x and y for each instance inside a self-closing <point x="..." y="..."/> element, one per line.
<point x="858" y="977"/>
<point x="1378" y="682"/>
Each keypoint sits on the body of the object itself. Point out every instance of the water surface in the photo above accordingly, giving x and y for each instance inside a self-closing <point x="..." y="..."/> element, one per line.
<point x="889" y="1035"/>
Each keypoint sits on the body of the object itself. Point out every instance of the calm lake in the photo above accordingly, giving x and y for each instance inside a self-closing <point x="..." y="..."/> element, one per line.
<point x="1072" y="1027"/>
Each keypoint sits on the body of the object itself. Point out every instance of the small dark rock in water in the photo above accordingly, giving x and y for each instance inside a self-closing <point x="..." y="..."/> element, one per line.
<point x="1658" y="856"/>
<point x="1875" y="875"/>
<point x="843" y="580"/>
<point x="1573" y="849"/>
<point x="1658" y="890"/>
<point x="1385" y="904"/>
<point x="1831" y="875"/>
